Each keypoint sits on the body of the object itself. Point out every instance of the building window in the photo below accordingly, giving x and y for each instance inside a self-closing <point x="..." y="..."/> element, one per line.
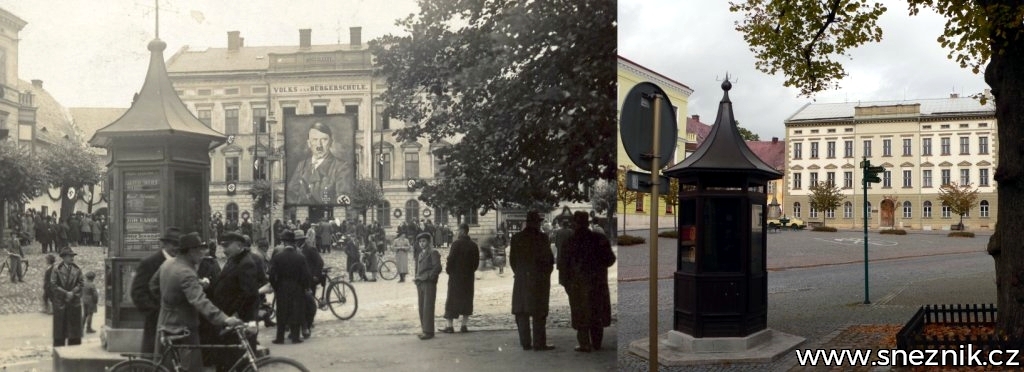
<point x="926" y="147"/>
<point x="867" y="148"/>
<point x="231" y="169"/>
<point x="831" y="130"/>
<point x="797" y="181"/>
<point x="907" y="179"/>
<point x="926" y="127"/>
<point x="231" y="212"/>
<point x="798" y="132"/>
<point x="848" y="149"/>
<point x="983" y="208"/>
<point x="944" y="126"/>
<point x="639" y="202"/>
<point x="906" y="147"/>
<point x="412" y="165"/>
<point x="906" y="209"/>
<point x="983" y="177"/>
<point x="380" y="122"/>
<point x="205" y="116"/>
<point x="260" y="168"/>
<point x="230" y="91"/>
<point x="831" y="149"/>
<point x="983" y="145"/>
<point x="771" y="187"/>
<point x="319" y="109"/>
<point x="354" y="111"/>
<point x="814" y="150"/>
<point x="830" y="214"/>
<point x="412" y="211"/>
<point x="231" y="121"/>
<point x="965" y="145"/>
<point x="847" y="210"/>
<point x="205" y="92"/>
<point x="926" y="178"/>
<point x="383" y="217"/>
<point x="847" y="180"/>
<point x="926" y="211"/>
<point x="814" y="212"/>
<point x="259" y="120"/>
<point x="887" y="147"/>
<point x="945" y="177"/>
<point x="887" y="180"/>
<point x="472" y="218"/>
<point x="830" y="177"/>
<point x="258" y="90"/>
<point x="945" y="211"/>
<point x="869" y="210"/>
<point x="848" y="130"/>
<point x="814" y="179"/>
<point x="945" y="145"/>
<point x="796" y="210"/>
<point x="385" y="166"/>
<point x="982" y="125"/>
<point x="965" y="177"/>
<point x="798" y="150"/>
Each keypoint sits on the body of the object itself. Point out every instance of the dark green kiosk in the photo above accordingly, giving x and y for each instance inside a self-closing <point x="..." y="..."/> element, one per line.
<point x="158" y="176"/>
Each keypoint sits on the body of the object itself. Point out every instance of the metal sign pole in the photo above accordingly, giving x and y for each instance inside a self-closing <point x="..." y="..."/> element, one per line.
<point x="865" y="183"/>
<point x="655" y="180"/>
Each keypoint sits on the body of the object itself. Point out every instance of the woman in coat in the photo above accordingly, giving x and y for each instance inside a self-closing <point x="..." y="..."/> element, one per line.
<point x="66" y="283"/>
<point x="290" y="278"/>
<point x="462" y="262"/>
<point x="402" y="247"/>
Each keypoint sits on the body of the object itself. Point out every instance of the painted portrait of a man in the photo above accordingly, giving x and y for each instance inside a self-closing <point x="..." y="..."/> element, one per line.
<point x="321" y="166"/>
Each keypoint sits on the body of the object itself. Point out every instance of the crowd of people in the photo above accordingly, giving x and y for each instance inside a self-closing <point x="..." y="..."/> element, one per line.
<point x="53" y="233"/>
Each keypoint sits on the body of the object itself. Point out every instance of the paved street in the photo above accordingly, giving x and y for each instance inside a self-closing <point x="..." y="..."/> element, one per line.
<point x="813" y="294"/>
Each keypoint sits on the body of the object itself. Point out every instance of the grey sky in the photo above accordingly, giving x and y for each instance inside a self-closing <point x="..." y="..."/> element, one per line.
<point x="694" y="42"/>
<point x="93" y="53"/>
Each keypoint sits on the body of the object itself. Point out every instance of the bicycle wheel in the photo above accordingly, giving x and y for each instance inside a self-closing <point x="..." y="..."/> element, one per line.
<point x="137" y="365"/>
<point x="270" y="363"/>
<point x="341" y="298"/>
<point x="388" y="270"/>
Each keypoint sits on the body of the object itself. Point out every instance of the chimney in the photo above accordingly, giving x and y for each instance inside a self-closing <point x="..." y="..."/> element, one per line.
<point x="696" y="117"/>
<point x="37" y="83"/>
<point x="304" y="38"/>
<point x="954" y="95"/>
<point x="355" y="35"/>
<point x="241" y="42"/>
<point x="775" y="139"/>
<point x="234" y="40"/>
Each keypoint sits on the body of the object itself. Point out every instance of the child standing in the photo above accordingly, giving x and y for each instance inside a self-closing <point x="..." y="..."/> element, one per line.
<point x="90" y="298"/>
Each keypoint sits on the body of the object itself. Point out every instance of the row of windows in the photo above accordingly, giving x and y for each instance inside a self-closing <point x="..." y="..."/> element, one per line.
<point x="850" y="130"/>
<point x="411" y="213"/>
<point x="259" y="118"/>
<point x="945" y="177"/>
<point x="926" y="147"/>
<point x="384" y="165"/>
<point x="926" y="211"/>
<point x="205" y="92"/>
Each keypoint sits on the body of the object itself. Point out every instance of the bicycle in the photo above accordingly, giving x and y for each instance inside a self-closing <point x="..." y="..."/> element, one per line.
<point x="248" y="361"/>
<point x="386" y="269"/>
<point x="22" y="266"/>
<point x="337" y="295"/>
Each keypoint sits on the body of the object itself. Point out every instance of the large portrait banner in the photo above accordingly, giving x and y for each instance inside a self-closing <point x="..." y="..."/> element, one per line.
<point x="320" y="165"/>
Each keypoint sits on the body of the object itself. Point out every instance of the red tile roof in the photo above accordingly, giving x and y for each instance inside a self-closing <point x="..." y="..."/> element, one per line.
<point x="772" y="153"/>
<point x="693" y="125"/>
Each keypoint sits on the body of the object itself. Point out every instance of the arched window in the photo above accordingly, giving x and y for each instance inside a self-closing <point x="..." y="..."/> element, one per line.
<point x="412" y="211"/>
<point x="906" y="209"/>
<point x="231" y="212"/>
<point x="383" y="214"/>
<point x="440" y="216"/>
<point x="983" y="208"/>
<point x="796" y="210"/>
<point x="869" y="209"/>
<point x="847" y="210"/>
<point x="927" y="211"/>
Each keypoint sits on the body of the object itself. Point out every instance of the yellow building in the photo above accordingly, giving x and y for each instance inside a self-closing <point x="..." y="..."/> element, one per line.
<point x="629" y="75"/>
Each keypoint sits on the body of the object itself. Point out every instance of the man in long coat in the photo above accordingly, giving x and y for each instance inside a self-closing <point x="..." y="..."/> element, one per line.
<point x="532" y="262"/>
<point x="316" y="268"/>
<point x="462" y="262"/>
<point x="586" y="259"/>
<point x="236" y="292"/>
<point x="428" y="269"/>
<point x="323" y="237"/>
<point x="147" y="302"/>
<point x="66" y="283"/>
<point x="290" y="278"/>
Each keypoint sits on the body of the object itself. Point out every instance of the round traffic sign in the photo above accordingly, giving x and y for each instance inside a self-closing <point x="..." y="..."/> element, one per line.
<point x="637" y="122"/>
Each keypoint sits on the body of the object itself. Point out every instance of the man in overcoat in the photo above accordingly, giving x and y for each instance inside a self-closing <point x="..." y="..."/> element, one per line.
<point x="67" y="283"/>
<point x="428" y="269"/>
<point x="291" y="279"/>
<point x="586" y="259"/>
<point x="236" y="292"/>
<point x="147" y="302"/>
<point x="462" y="263"/>
<point x="532" y="262"/>
<point x="316" y="268"/>
<point x="182" y="300"/>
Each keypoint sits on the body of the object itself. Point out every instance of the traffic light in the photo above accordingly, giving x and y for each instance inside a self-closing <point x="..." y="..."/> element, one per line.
<point x="871" y="174"/>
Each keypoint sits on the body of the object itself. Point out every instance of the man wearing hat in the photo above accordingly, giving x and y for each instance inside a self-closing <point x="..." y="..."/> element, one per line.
<point x="182" y="300"/>
<point x="66" y="283"/>
<point x="149" y="303"/>
<point x="585" y="261"/>
<point x="532" y="262"/>
<point x="315" y="262"/>
<point x="291" y="279"/>
<point x="236" y="291"/>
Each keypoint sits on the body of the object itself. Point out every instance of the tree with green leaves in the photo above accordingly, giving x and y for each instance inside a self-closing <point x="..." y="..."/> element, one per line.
<point x="825" y="197"/>
<point x="746" y="134"/>
<point x="365" y="195"/>
<point x="21" y="178"/>
<point x="527" y="89"/>
<point x="602" y="197"/>
<point x="959" y="198"/>
<point x="624" y="195"/>
<point x="672" y="197"/>
<point x="70" y="165"/>
<point x="804" y="41"/>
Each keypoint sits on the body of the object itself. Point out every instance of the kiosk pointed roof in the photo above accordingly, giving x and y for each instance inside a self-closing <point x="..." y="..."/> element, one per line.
<point x="157" y="110"/>
<point x="724" y="150"/>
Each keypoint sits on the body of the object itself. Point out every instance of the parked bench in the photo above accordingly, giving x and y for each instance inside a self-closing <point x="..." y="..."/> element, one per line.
<point x="956" y="227"/>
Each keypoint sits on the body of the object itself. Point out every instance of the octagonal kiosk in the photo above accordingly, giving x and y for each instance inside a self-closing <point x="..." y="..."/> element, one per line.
<point x="159" y="176"/>
<point x="720" y="307"/>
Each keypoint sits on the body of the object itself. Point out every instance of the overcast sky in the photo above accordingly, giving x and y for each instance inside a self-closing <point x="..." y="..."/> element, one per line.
<point x="695" y="43"/>
<point x="93" y="53"/>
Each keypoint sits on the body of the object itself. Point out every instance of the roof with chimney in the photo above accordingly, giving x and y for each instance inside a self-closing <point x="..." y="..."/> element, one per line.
<point x="938" y="107"/>
<point x="771" y="152"/>
<point x="157" y="110"/>
<point x="53" y="122"/>
<point x="239" y="57"/>
<point x="701" y="130"/>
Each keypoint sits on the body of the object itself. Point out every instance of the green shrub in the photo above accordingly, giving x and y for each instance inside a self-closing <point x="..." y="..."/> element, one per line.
<point x="961" y="234"/>
<point x="825" y="229"/>
<point x="630" y="240"/>
<point x="669" y="234"/>
<point x="893" y="232"/>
